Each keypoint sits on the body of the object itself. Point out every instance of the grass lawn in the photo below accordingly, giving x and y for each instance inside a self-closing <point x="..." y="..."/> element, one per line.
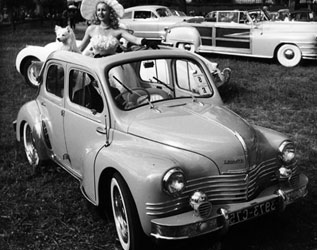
<point x="46" y="210"/>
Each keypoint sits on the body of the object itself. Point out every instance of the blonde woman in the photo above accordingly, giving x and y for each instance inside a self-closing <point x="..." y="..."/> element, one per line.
<point x="102" y="36"/>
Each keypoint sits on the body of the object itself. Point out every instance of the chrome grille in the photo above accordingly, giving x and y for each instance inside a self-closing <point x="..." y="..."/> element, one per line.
<point x="222" y="188"/>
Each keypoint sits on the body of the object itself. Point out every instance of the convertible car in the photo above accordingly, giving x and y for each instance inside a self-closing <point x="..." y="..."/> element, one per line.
<point x="151" y="143"/>
<point x="242" y="33"/>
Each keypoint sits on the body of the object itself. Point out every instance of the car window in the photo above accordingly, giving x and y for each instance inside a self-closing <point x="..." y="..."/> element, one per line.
<point x="189" y="77"/>
<point x="143" y="14"/>
<point x="157" y="70"/>
<point x="84" y="91"/>
<point x="154" y="80"/>
<point x="228" y="17"/>
<point x="163" y="12"/>
<point x="55" y="80"/>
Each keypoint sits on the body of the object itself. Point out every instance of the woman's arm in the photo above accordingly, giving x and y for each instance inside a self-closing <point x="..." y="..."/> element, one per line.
<point x="85" y="40"/>
<point x="131" y="38"/>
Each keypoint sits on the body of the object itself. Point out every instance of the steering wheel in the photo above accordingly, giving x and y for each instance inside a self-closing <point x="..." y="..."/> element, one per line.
<point x="134" y="98"/>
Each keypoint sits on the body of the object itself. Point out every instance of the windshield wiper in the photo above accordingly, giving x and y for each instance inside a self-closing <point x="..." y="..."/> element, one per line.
<point x="131" y="91"/>
<point x="123" y="85"/>
<point x="163" y="83"/>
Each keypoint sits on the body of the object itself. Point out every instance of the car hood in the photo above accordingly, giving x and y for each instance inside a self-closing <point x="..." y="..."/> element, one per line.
<point x="209" y="130"/>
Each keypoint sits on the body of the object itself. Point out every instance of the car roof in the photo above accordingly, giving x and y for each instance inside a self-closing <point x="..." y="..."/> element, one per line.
<point x="145" y="7"/>
<point x="95" y="63"/>
<point x="71" y="57"/>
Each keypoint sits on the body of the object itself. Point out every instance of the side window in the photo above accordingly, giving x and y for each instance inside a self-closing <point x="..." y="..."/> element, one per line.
<point x="85" y="91"/>
<point x="55" y="80"/>
<point x="190" y="78"/>
<point x="142" y="14"/>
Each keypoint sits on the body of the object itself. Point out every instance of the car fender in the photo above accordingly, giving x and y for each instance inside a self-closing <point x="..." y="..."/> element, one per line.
<point x="183" y="34"/>
<point x="38" y="52"/>
<point x="147" y="162"/>
<point x="30" y="113"/>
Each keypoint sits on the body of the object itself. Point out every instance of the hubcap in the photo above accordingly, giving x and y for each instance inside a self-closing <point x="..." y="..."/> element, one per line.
<point x="289" y="54"/>
<point x="120" y="215"/>
<point x="32" y="74"/>
<point x="29" y="146"/>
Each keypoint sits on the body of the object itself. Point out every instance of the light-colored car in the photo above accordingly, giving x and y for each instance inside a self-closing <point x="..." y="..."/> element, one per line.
<point x="234" y="32"/>
<point x="150" y="21"/>
<point x="30" y="60"/>
<point x="303" y="16"/>
<point x="150" y="141"/>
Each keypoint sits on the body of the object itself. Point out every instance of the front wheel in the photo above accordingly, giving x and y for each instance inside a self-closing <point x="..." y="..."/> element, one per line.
<point x="289" y="55"/>
<point x="125" y="215"/>
<point x="30" y="149"/>
<point x="30" y="71"/>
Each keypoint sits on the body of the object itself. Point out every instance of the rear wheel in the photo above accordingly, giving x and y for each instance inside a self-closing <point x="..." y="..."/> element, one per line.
<point x="30" y="72"/>
<point x="30" y="149"/>
<point x="289" y="55"/>
<point x="125" y="215"/>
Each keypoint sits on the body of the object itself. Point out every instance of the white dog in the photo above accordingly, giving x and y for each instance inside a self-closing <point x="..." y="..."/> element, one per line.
<point x="66" y="38"/>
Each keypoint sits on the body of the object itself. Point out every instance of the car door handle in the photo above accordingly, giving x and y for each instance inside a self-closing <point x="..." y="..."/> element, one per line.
<point x="43" y="104"/>
<point x="101" y="130"/>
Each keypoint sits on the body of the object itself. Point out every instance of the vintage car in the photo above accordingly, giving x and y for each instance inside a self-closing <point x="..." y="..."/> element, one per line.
<point x="30" y="59"/>
<point x="234" y="32"/>
<point x="150" y="21"/>
<point x="151" y="142"/>
<point x="303" y="16"/>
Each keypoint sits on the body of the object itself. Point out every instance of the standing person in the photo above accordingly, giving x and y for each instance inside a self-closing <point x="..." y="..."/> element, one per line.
<point x="102" y="36"/>
<point x="71" y="14"/>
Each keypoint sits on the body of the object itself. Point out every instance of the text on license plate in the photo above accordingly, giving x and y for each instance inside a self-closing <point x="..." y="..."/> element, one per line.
<point x="252" y="212"/>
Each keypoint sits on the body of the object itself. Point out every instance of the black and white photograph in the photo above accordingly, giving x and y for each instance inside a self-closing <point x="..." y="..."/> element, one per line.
<point x="175" y="125"/>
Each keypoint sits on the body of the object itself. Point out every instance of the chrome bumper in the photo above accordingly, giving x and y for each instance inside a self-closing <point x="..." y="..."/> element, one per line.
<point x="187" y="225"/>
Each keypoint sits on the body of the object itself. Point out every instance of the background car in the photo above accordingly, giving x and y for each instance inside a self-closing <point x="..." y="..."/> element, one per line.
<point x="154" y="146"/>
<point x="178" y="12"/>
<point x="303" y="16"/>
<point x="150" y="21"/>
<point x="236" y="33"/>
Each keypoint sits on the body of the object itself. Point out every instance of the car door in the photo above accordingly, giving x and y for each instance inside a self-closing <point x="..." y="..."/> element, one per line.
<point x="145" y="24"/>
<point x="232" y="33"/>
<point x="51" y="101"/>
<point x="84" y="120"/>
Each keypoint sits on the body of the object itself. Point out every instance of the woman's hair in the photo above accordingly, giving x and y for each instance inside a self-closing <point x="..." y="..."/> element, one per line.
<point x="113" y="17"/>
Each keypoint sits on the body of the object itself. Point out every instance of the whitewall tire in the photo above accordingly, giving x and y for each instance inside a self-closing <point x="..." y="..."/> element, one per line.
<point x="289" y="55"/>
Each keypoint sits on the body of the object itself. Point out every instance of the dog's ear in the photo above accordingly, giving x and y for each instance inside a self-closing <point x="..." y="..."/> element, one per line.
<point x="57" y="27"/>
<point x="68" y="28"/>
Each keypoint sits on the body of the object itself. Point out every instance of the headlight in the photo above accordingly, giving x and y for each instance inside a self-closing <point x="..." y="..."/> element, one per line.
<point x="287" y="152"/>
<point x="174" y="181"/>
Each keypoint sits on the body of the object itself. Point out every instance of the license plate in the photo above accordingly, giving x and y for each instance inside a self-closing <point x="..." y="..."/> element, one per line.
<point x="252" y="212"/>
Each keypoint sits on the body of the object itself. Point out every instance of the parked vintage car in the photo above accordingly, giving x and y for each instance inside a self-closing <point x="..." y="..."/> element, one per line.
<point x="150" y="21"/>
<point x="303" y="16"/>
<point x="30" y="60"/>
<point x="150" y="141"/>
<point x="234" y="32"/>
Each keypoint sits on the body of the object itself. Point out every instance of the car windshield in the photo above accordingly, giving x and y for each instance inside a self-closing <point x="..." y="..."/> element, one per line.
<point x="164" y="12"/>
<point x="147" y="82"/>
